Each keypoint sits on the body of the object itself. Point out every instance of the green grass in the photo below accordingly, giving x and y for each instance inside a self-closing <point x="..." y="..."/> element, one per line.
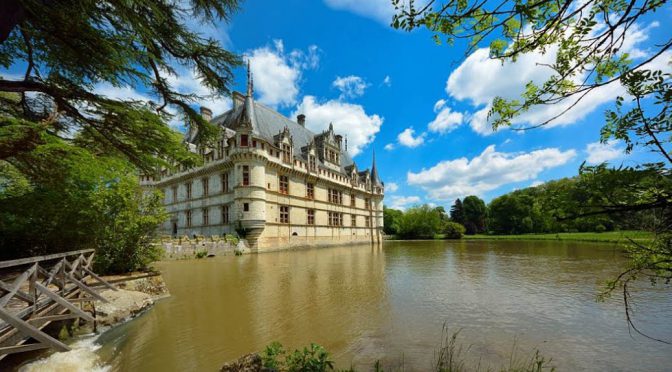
<point x="607" y="237"/>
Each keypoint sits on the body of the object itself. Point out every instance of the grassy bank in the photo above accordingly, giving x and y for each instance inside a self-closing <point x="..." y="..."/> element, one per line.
<point x="606" y="237"/>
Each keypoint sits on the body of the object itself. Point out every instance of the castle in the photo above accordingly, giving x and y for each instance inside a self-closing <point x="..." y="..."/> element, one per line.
<point x="273" y="181"/>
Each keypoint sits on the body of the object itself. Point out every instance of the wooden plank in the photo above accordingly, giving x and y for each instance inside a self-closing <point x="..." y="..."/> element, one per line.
<point x="22" y="348"/>
<point x="101" y="280"/>
<point x="63" y="302"/>
<point x="19" y="293"/>
<point x="86" y="289"/>
<point x="52" y="318"/>
<point x="29" y="260"/>
<point x="16" y="285"/>
<point x="28" y="330"/>
<point x="52" y="273"/>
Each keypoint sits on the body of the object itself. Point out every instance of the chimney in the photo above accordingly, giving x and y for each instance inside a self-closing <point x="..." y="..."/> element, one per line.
<point x="301" y="119"/>
<point x="206" y="113"/>
<point x="238" y="99"/>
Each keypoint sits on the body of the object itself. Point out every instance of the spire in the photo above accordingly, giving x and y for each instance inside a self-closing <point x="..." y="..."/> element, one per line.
<point x="250" y="82"/>
<point x="374" y="171"/>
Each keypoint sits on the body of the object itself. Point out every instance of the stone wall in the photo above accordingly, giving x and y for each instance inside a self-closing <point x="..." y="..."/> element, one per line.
<point x="184" y="247"/>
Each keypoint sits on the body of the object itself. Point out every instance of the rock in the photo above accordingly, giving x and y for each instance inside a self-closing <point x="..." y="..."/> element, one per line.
<point x="246" y="363"/>
<point x="123" y="305"/>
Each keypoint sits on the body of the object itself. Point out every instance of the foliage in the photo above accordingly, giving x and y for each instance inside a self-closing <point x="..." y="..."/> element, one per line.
<point x="76" y="200"/>
<point x="72" y="47"/>
<point x="453" y="230"/>
<point x="475" y="214"/>
<point x="312" y="359"/>
<point x="421" y="222"/>
<point x="457" y="212"/>
<point x="391" y="218"/>
<point x="231" y="239"/>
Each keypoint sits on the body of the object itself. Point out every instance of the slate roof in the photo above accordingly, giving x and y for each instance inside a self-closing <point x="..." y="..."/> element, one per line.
<point x="267" y="123"/>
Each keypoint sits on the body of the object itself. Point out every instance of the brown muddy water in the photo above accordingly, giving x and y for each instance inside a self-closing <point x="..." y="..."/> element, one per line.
<point x="390" y="303"/>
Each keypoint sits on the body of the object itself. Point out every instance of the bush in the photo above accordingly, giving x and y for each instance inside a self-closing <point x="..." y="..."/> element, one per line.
<point x="600" y="228"/>
<point x="313" y="359"/>
<point x="453" y="230"/>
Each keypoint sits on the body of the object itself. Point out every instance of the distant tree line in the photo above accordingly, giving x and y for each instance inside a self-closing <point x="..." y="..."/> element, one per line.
<point x="552" y="207"/>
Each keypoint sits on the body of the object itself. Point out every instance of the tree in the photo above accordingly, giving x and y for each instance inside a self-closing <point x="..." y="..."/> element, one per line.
<point x="391" y="219"/>
<point x="68" y="47"/>
<point x="421" y="222"/>
<point x="457" y="212"/>
<point x="453" y="230"/>
<point x="59" y="197"/>
<point x="475" y="214"/>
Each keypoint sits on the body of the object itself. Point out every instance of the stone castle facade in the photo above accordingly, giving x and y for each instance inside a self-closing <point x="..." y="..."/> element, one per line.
<point x="273" y="181"/>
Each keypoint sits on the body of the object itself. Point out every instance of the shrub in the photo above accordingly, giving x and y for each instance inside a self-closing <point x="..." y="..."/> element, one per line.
<point x="313" y="359"/>
<point x="453" y="230"/>
<point x="600" y="228"/>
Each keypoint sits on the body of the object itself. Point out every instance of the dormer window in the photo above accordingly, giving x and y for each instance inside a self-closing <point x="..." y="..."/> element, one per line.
<point x="244" y="140"/>
<point x="286" y="153"/>
<point x="312" y="163"/>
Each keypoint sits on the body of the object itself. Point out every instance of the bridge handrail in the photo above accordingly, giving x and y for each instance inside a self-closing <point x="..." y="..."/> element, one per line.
<point x="29" y="260"/>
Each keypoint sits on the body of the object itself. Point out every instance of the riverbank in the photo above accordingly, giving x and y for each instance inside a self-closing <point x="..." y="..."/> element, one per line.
<point x="603" y="237"/>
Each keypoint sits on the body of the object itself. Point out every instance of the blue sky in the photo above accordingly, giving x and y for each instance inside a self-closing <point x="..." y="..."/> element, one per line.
<point x="421" y="106"/>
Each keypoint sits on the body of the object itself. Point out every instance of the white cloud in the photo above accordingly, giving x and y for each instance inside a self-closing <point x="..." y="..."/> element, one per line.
<point x="390" y="147"/>
<point x="379" y="10"/>
<point x="387" y="81"/>
<point x="479" y="79"/>
<point x="403" y="202"/>
<point x="350" y="86"/>
<point x="276" y="74"/>
<point x="391" y="186"/>
<point x="450" y="179"/>
<point x="445" y="121"/>
<point x="407" y="138"/>
<point x="537" y="183"/>
<point x="439" y="105"/>
<point x="124" y="93"/>
<point x="187" y="82"/>
<point x="598" y="153"/>
<point x="349" y="119"/>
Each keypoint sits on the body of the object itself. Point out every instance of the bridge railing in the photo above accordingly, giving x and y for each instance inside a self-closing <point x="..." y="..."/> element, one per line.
<point x="41" y="290"/>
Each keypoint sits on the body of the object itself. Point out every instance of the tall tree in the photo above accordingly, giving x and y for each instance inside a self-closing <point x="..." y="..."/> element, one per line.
<point x="69" y="47"/>
<point x="475" y="214"/>
<point x="457" y="212"/>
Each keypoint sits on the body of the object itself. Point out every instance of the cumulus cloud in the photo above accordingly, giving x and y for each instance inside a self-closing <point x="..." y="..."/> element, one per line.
<point x="351" y="86"/>
<point x="479" y="79"/>
<point x="277" y="74"/>
<point x="446" y="120"/>
<point x="187" y="81"/>
<point x="598" y="153"/>
<point x="348" y="119"/>
<point x="450" y="179"/>
<point x="391" y="187"/>
<point x="403" y="202"/>
<point x="390" y="147"/>
<point x="407" y="138"/>
<point x="379" y="10"/>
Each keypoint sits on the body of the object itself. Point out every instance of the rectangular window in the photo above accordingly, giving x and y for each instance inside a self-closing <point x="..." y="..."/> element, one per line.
<point x="174" y="194"/>
<point x="188" y="186"/>
<point x="310" y="191"/>
<point x="284" y="184"/>
<point x="246" y="207"/>
<point x="246" y="175"/>
<point x="312" y="163"/>
<point x="367" y="221"/>
<point x="225" y="214"/>
<point x="353" y="220"/>
<point x="335" y="219"/>
<point x="244" y="141"/>
<point x="225" y="182"/>
<point x="353" y="200"/>
<point x="206" y="217"/>
<point x="220" y="149"/>
<point x="254" y="143"/>
<point x="188" y="218"/>
<point x="335" y="196"/>
<point x="206" y="186"/>
<point x="367" y="203"/>
<point x="284" y="214"/>
<point x="311" y="217"/>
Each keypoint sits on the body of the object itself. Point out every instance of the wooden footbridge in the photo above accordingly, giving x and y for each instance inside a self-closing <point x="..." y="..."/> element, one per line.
<point x="39" y="290"/>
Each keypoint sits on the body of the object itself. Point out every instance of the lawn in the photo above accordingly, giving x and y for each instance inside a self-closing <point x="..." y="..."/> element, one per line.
<point x="609" y="236"/>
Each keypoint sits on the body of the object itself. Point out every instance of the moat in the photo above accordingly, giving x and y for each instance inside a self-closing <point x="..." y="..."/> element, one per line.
<point x="390" y="302"/>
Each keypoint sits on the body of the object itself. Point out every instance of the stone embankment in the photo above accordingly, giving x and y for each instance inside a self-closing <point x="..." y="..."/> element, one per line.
<point x="200" y="246"/>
